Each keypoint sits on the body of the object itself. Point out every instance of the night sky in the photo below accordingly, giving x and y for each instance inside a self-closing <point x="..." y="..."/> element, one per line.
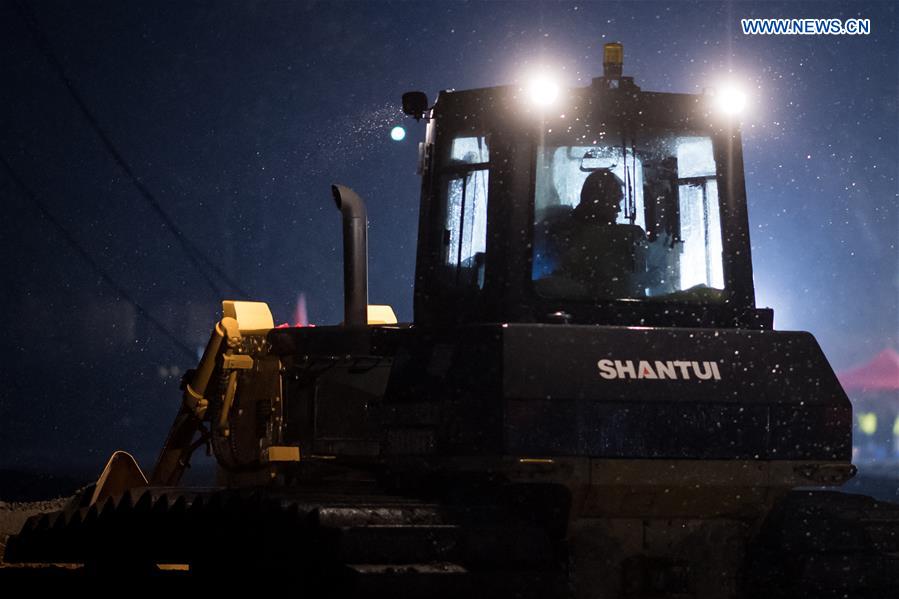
<point x="237" y="116"/>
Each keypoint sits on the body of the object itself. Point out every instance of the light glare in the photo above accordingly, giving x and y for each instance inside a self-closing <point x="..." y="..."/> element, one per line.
<point x="397" y="133"/>
<point x="730" y="100"/>
<point x="543" y="91"/>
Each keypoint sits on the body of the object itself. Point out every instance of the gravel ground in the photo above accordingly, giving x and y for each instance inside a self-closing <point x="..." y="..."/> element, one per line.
<point x="14" y="514"/>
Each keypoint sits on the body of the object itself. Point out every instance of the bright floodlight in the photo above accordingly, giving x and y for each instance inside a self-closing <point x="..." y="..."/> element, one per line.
<point x="397" y="133"/>
<point x="730" y="100"/>
<point x="543" y="91"/>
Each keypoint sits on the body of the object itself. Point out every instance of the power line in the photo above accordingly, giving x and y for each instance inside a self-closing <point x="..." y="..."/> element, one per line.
<point x="194" y="253"/>
<point x="101" y="272"/>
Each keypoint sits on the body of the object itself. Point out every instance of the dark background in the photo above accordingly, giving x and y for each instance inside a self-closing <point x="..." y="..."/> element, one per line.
<point x="237" y="116"/>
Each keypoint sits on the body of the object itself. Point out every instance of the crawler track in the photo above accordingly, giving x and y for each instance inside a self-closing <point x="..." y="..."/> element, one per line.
<point x="812" y="545"/>
<point x="823" y="544"/>
<point x="336" y="544"/>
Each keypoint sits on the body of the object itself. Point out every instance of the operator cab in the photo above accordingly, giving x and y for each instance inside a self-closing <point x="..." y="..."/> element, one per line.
<point x="603" y="204"/>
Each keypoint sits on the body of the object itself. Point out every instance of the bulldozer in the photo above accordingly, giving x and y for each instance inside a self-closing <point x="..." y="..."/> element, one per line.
<point x="588" y="402"/>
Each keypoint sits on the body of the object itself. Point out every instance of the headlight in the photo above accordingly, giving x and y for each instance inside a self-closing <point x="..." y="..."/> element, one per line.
<point x="543" y="91"/>
<point x="397" y="133"/>
<point x="728" y="99"/>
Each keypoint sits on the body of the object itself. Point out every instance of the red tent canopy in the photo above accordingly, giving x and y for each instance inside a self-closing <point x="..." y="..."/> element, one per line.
<point x="880" y="374"/>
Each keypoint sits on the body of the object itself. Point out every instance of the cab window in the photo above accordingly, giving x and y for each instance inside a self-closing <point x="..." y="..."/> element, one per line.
<point x="619" y="217"/>
<point x="464" y="179"/>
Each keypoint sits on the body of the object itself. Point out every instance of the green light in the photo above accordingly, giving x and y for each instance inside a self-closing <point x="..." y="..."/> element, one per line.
<point x="397" y="133"/>
<point x="867" y="422"/>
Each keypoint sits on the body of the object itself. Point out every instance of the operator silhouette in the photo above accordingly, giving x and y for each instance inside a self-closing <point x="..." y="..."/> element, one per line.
<point x="606" y="259"/>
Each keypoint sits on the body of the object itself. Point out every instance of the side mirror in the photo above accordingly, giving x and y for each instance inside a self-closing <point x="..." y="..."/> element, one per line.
<point x="415" y="104"/>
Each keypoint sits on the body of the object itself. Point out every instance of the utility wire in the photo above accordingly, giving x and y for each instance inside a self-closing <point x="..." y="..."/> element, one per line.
<point x="70" y="239"/>
<point x="194" y="253"/>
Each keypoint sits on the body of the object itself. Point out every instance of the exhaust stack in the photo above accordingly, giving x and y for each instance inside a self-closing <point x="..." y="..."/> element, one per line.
<point x="355" y="255"/>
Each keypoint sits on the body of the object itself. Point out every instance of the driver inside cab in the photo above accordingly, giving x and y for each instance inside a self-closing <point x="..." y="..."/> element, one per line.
<point x="597" y="256"/>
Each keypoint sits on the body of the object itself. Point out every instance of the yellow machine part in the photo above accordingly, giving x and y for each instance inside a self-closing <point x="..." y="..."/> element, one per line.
<point x="381" y="315"/>
<point x="250" y="316"/>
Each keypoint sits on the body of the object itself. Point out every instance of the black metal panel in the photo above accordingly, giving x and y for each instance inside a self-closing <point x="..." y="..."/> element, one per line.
<point x="444" y="394"/>
<point x="636" y="430"/>
<point x="334" y="379"/>
<point x="776" y="397"/>
<point x="538" y="390"/>
<point x="810" y="432"/>
<point x="558" y="361"/>
<point x="296" y="342"/>
<point x="676" y="431"/>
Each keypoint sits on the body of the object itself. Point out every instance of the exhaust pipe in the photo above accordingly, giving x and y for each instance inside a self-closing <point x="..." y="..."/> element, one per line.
<point x="355" y="255"/>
